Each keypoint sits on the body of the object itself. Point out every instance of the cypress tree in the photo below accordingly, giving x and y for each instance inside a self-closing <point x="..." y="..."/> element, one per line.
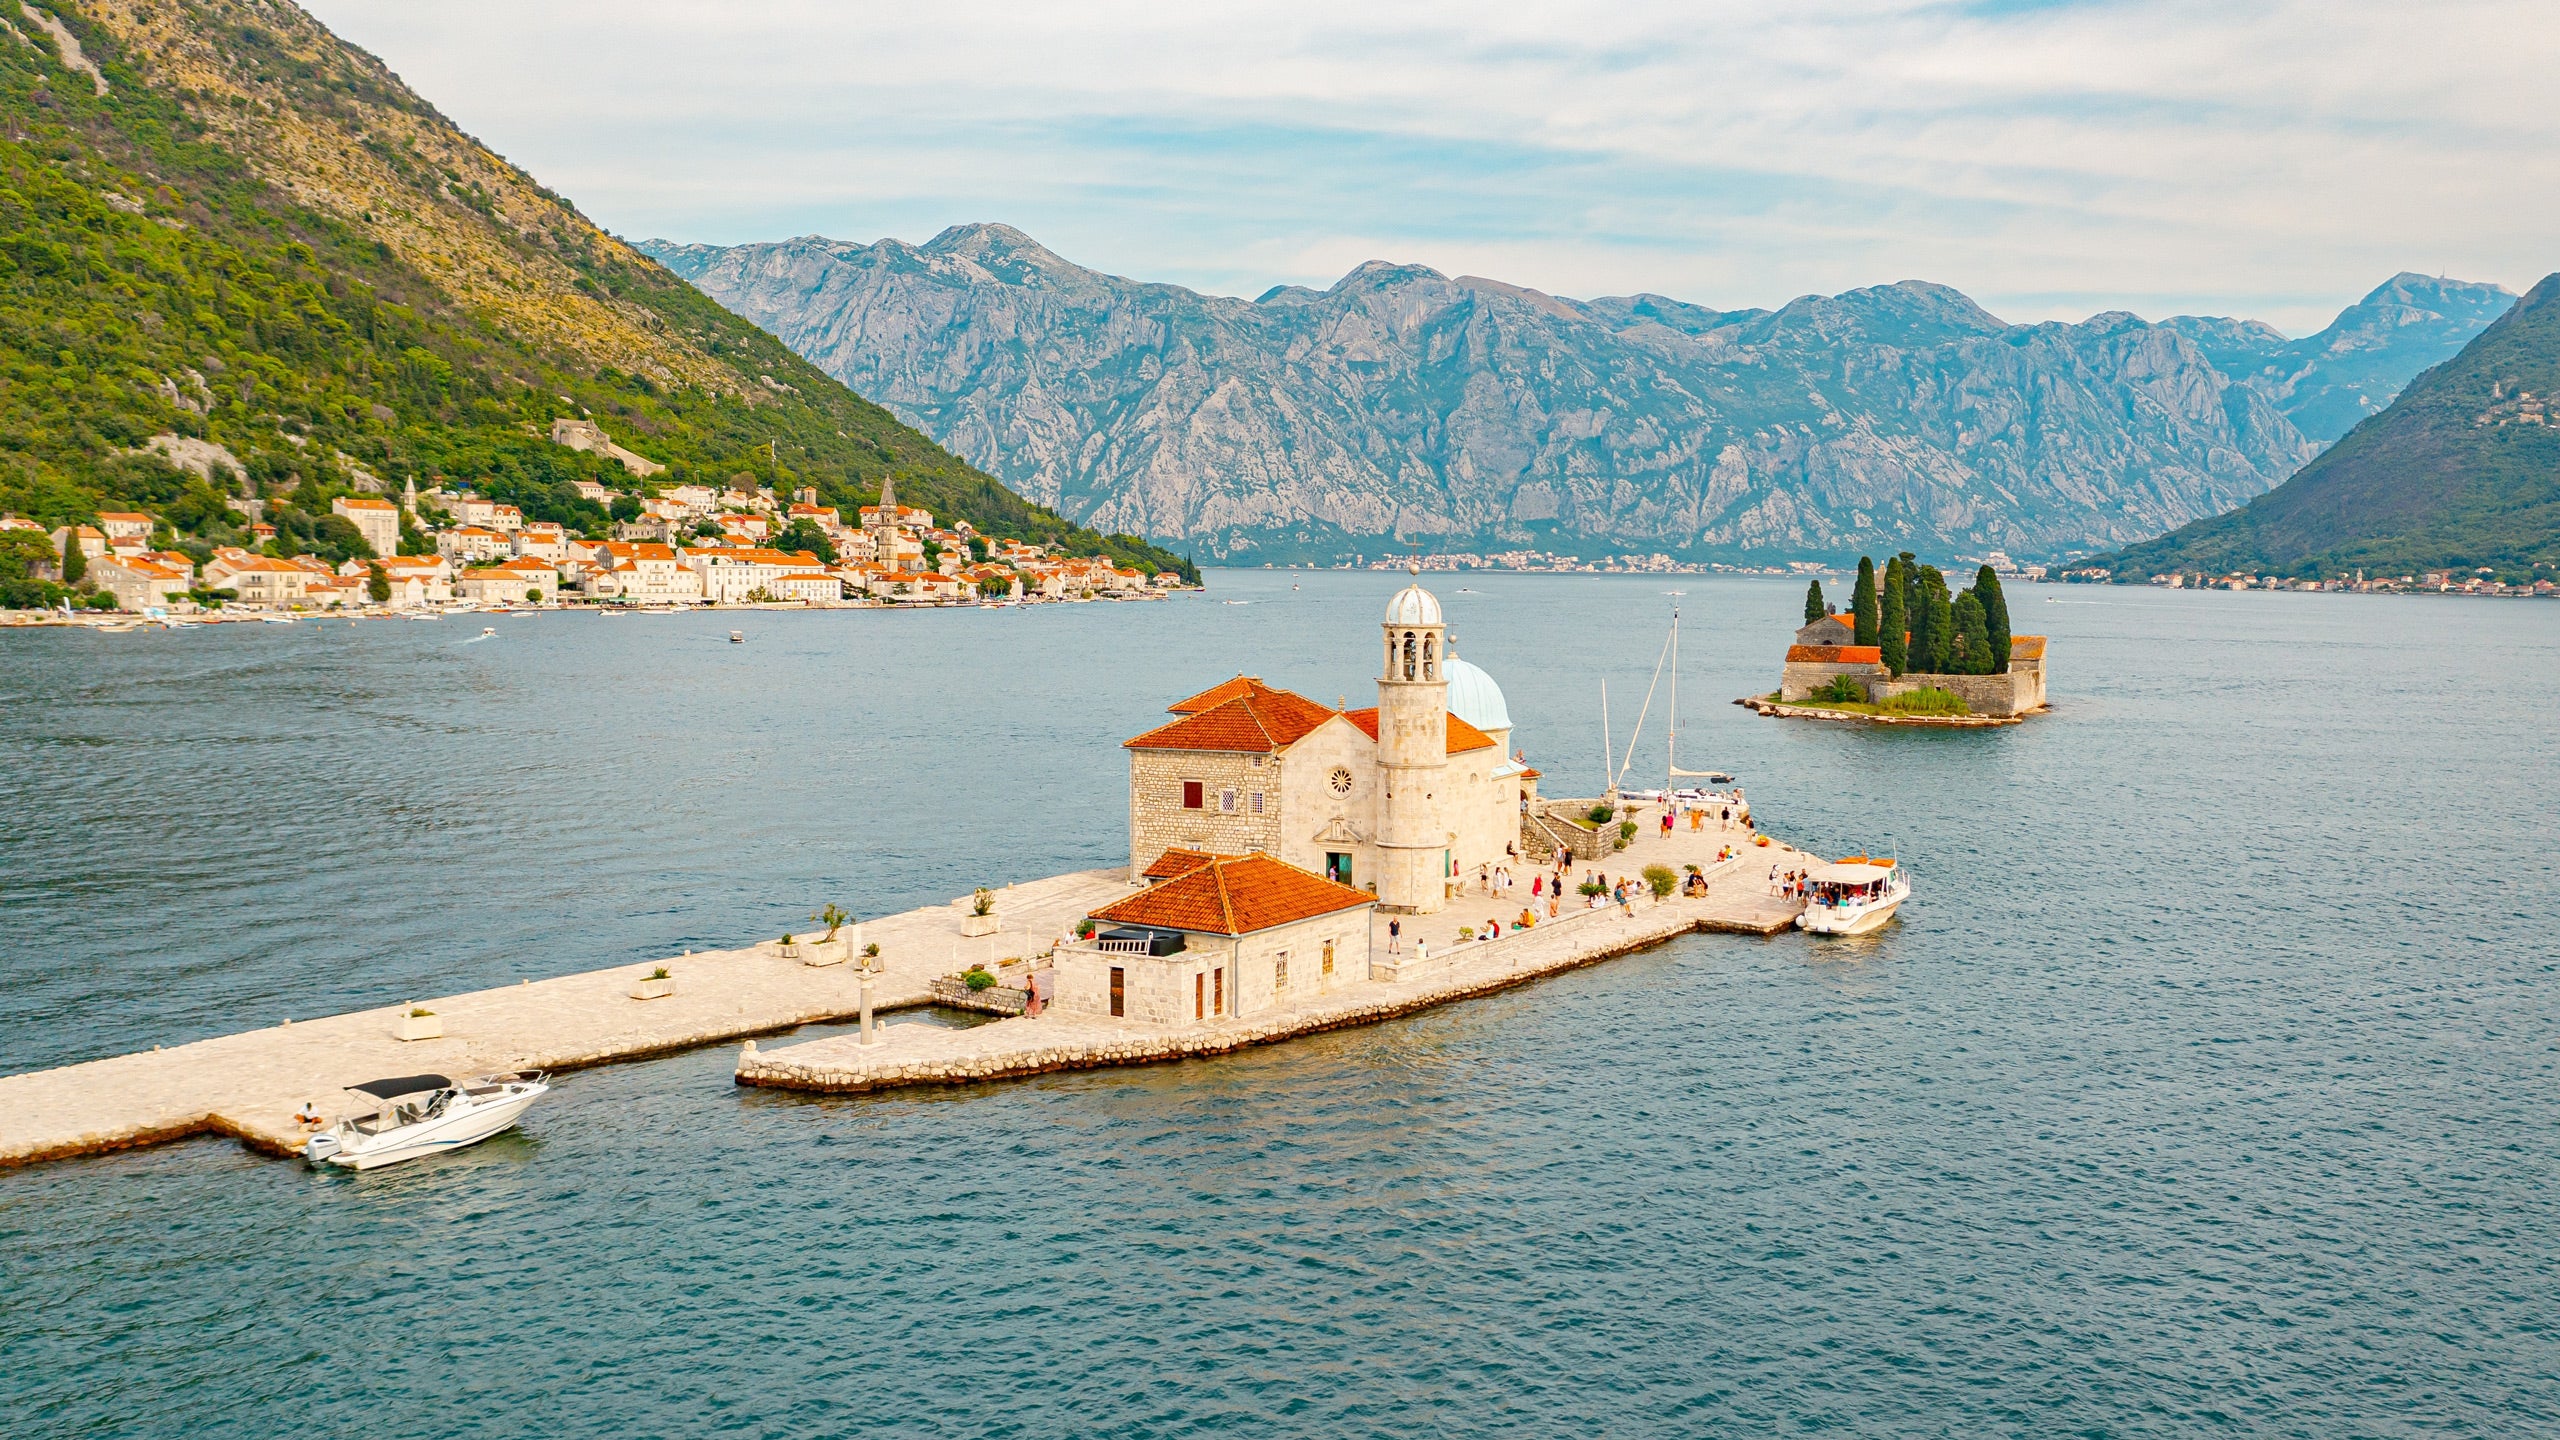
<point x="1862" y="602"/>
<point x="1972" y="638"/>
<point x="1814" y="609"/>
<point x="1895" y="618"/>
<point x="1995" y="618"/>
<point x="75" y="561"/>
<point x="377" y="586"/>
<point x="1933" y="625"/>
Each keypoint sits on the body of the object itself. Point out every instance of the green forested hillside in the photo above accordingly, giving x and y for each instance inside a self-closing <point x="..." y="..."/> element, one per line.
<point x="244" y="232"/>
<point x="2462" y="471"/>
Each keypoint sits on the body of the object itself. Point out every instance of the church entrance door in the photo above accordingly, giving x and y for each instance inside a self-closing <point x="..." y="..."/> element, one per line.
<point x="1337" y="867"/>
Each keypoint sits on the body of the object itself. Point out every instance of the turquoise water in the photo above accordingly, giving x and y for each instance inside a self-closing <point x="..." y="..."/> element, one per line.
<point x="2209" y="1084"/>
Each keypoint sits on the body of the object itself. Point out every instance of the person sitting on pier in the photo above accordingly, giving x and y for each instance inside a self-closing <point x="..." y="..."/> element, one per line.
<point x="308" y="1115"/>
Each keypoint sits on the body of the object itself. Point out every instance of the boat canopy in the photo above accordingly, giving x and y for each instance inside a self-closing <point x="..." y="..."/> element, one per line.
<point x="1849" y="872"/>
<point x="399" y="1085"/>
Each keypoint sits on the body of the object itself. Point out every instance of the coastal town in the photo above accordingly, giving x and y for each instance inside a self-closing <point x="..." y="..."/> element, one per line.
<point x="450" y="548"/>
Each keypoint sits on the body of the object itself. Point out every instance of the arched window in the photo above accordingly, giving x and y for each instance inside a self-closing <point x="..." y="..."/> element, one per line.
<point x="1430" y="670"/>
<point x="1408" y="654"/>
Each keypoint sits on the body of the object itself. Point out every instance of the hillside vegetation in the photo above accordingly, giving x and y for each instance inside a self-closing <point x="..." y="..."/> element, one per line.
<point x="231" y="228"/>
<point x="2461" y="472"/>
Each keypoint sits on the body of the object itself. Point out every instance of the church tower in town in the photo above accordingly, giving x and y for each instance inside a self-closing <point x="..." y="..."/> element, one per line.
<point x="1413" y="756"/>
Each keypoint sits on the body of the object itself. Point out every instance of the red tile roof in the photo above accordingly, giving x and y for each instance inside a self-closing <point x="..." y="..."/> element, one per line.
<point x="1218" y="694"/>
<point x="1258" y="722"/>
<point x="1178" y="861"/>
<point x="1835" y="655"/>
<point x="1462" y="736"/>
<point x="1235" y="897"/>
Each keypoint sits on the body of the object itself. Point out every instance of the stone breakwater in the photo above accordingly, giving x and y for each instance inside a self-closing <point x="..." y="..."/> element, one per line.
<point x="1013" y="1048"/>
<point x="1855" y="717"/>
<point x="249" y="1085"/>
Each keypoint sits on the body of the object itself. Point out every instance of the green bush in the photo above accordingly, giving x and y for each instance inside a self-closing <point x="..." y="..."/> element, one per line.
<point x="1590" y="887"/>
<point x="1602" y="814"/>
<point x="1839" y="690"/>
<point x="1663" y="879"/>
<point x="1927" y="700"/>
<point x="977" y="978"/>
<point x="1626" y="833"/>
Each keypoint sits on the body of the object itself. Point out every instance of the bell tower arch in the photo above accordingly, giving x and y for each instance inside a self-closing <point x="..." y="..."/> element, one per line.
<point x="1413" y="755"/>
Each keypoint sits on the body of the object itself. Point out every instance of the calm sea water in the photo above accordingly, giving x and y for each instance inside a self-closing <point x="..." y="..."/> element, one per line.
<point x="2209" y="1084"/>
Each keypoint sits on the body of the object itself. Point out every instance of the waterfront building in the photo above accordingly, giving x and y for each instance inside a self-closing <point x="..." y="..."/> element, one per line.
<point x="509" y="582"/>
<point x="378" y="521"/>
<point x="139" y="583"/>
<point x="1219" y="937"/>
<point x="643" y="573"/>
<point x="469" y="544"/>
<point x="734" y="573"/>
<point x="1402" y="799"/>
<point x="257" y="581"/>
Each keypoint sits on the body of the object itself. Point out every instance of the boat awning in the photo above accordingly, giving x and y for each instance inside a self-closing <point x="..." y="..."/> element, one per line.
<point x="399" y="1085"/>
<point x="1849" y="873"/>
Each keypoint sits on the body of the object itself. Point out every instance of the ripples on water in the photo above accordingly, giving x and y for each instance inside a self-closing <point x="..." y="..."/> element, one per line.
<point x="2208" y="1085"/>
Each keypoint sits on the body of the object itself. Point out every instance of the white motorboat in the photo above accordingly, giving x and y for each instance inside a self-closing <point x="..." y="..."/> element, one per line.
<point x="423" y="1115"/>
<point x="1853" y="896"/>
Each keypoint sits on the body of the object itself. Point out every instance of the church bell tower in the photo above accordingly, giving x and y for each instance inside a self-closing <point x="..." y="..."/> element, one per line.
<point x="1413" y="756"/>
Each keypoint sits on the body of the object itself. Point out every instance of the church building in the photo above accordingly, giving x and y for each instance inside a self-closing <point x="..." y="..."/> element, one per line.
<point x="1403" y="800"/>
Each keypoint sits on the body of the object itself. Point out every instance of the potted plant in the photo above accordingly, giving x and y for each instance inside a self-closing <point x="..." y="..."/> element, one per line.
<point x="790" y="948"/>
<point x="656" y="985"/>
<point x="981" y="919"/>
<point x="420" y="1024"/>
<point x="831" y="950"/>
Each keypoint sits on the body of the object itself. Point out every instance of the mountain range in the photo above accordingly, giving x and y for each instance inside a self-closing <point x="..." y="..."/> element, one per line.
<point x="2461" y="472"/>
<point x="1405" y="409"/>
<point x="231" y="241"/>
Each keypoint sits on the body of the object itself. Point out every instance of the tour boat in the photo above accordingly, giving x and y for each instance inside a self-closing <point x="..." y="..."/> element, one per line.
<point x="488" y="629"/>
<point x="423" y="1115"/>
<point x="1853" y="896"/>
<point x="737" y="637"/>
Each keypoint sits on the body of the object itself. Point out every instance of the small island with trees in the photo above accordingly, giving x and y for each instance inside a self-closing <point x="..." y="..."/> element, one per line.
<point x="1910" y="653"/>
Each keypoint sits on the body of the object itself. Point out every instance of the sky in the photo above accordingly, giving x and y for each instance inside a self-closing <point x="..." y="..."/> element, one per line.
<point x="2273" y="159"/>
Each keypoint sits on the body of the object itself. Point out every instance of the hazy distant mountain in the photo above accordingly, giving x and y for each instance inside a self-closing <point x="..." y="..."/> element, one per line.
<point x="1402" y="408"/>
<point x="2462" y="470"/>
<point x="2327" y="383"/>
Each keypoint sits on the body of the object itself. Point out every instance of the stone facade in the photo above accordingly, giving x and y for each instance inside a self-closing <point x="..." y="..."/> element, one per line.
<point x="1239" y="810"/>
<point x="1216" y="978"/>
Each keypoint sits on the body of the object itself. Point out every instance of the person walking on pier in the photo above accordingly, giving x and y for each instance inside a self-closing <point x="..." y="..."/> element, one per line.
<point x="1395" y="937"/>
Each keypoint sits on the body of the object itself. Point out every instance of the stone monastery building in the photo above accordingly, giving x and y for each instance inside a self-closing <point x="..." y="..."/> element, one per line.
<point x="1400" y="800"/>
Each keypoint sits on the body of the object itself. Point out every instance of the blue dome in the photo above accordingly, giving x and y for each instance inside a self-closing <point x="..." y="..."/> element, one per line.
<point x="1474" y="698"/>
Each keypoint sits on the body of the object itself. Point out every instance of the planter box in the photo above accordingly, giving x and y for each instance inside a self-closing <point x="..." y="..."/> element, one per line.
<point x="421" y="1027"/>
<point x="791" y="951"/>
<point x="953" y="991"/>
<point x="825" y="952"/>
<point x="653" y="989"/>
<point x="978" y="924"/>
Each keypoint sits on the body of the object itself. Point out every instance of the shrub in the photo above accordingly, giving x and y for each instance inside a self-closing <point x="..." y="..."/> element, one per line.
<point x="1663" y="879"/>
<point x="871" y="951"/>
<point x="1589" y="887"/>
<point x="977" y="978"/>
<point x="1626" y="832"/>
<point x="1466" y="932"/>
<point x="1839" y="690"/>
<point x="659" y="974"/>
<point x="982" y="901"/>
<point x="1927" y="700"/>
<point x="786" y="939"/>
<point x="1084" y="931"/>
<point x="1602" y="814"/>
<point x="420" y="1012"/>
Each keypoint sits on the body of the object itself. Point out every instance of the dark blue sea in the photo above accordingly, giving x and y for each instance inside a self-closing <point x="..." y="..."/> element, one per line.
<point x="2209" y="1085"/>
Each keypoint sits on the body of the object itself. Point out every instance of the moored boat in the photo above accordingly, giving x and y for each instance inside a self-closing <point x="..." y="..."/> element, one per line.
<point x="421" y="1115"/>
<point x="1853" y="896"/>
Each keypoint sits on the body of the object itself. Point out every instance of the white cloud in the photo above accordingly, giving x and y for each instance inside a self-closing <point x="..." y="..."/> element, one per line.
<point x="2272" y="159"/>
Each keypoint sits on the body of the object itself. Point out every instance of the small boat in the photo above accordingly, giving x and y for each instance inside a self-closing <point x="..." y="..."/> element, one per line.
<point x="737" y="637"/>
<point x="423" y="1115"/>
<point x="1853" y="896"/>
<point x="488" y="629"/>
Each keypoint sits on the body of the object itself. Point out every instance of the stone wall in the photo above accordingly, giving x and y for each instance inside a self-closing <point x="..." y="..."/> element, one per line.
<point x="1802" y="677"/>
<point x="2009" y="694"/>
<point x="1158" y="822"/>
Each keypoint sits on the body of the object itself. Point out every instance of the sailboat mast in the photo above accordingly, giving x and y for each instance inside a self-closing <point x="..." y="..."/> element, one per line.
<point x="1608" y="746"/>
<point x="1671" y="736"/>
